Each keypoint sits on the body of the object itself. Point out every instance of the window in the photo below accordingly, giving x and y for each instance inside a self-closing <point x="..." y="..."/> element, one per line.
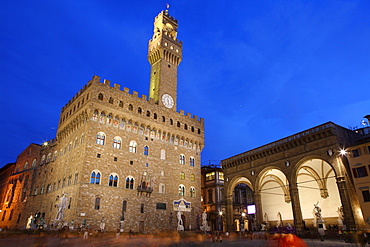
<point x="148" y="113"/>
<point x="163" y="154"/>
<point x="55" y="155"/>
<point x="210" y="176"/>
<point x="42" y="160"/>
<point x="113" y="180"/>
<point x="161" y="206"/>
<point x="120" y="103"/>
<point x="110" y="100"/>
<point x="359" y="172"/>
<point x="33" y="162"/>
<point x="100" y="96"/>
<point x="366" y="195"/>
<point x="182" y="159"/>
<point x="97" y="203"/>
<point x="146" y="150"/>
<point x="155" y="116"/>
<point x="163" y="119"/>
<point x="192" y="192"/>
<point x="139" y="110"/>
<point x="192" y="161"/>
<point x="95" y="177"/>
<point x="355" y="153"/>
<point x="210" y="196"/>
<point x="25" y="166"/>
<point x="192" y="177"/>
<point x="221" y="176"/>
<point x="117" y="142"/>
<point x="124" y="206"/>
<point x="178" y="124"/>
<point x="100" y="138"/>
<point x="130" y="107"/>
<point x="161" y="188"/>
<point x="69" y="180"/>
<point x="132" y="147"/>
<point x="142" y="208"/>
<point x="76" y="178"/>
<point x="130" y="183"/>
<point x="182" y="175"/>
<point x="181" y="190"/>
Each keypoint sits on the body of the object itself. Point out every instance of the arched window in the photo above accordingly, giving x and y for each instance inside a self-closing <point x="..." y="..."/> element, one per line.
<point x="95" y="177"/>
<point x="146" y="150"/>
<point x="120" y="103"/>
<point x="100" y="96"/>
<point x="139" y="110"/>
<point x="178" y="124"/>
<point x="113" y="180"/>
<point x="163" y="154"/>
<point x="55" y="155"/>
<point x="100" y="138"/>
<point x="192" y="177"/>
<point x="25" y="166"/>
<point x="192" y="128"/>
<point x="130" y="107"/>
<point x="182" y="175"/>
<point x="185" y="126"/>
<point x="117" y="142"/>
<point x="182" y="159"/>
<point x="130" y="183"/>
<point x="181" y="190"/>
<point x="148" y="113"/>
<point x="161" y="188"/>
<point x="42" y="160"/>
<point x="163" y="119"/>
<point x="110" y="100"/>
<point x="192" y="192"/>
<point x="171" y="121"/>
<point x="132" y="147"/>
<point x="48" y="158"/>
<point x="76" y="143"/>
<point x="191" y="161"/>
<point x="155" y="116"/>
<point x="82" y="138"/>
<point x="34" y="162"/>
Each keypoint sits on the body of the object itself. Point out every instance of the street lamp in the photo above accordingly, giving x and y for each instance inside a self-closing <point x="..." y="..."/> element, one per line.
<point x="220" y="222"/>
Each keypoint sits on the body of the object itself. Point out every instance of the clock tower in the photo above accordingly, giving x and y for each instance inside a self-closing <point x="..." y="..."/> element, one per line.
<point x="164" y="55"/>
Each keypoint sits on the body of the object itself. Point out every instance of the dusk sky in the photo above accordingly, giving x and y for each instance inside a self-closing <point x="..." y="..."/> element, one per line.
<point x="256" y="71"/>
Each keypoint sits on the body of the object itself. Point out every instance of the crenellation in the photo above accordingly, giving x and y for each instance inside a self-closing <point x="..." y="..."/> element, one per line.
<point x="117" y="86"/>
<point x="143" y="97"/>
<point x="181" y="112"/>
<point x="126" y="90"/>
<point x="188" y="114"/>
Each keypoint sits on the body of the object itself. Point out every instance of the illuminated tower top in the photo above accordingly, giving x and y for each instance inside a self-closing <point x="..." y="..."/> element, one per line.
<point x="164" y="55"/>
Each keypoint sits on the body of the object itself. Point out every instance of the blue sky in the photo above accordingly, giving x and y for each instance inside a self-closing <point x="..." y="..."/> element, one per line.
<point x="256" y="71"/>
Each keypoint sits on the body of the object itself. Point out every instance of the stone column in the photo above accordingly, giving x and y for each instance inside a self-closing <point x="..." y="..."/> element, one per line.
<point x="229" y="213"/>
<point x="296" y="207"/>
<point x="259" y="213"/>
<point x="349" y="219"/>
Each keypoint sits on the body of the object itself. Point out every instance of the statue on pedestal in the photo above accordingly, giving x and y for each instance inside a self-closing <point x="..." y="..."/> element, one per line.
<point x="180" y="223"/>
<point x="62" y="204"/>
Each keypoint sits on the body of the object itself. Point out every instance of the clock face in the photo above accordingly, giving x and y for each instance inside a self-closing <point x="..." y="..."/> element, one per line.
<point x="167" y="100"/>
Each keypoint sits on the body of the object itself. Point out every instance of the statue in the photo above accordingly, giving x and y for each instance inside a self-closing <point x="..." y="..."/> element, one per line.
<point x="205" y="226"/>
<point x="62" y="204"/>
<point x="180" y="223"/>
<point x="29" y="222"/>
<point x="317" y="212"/>
<point x="280" y="220"/>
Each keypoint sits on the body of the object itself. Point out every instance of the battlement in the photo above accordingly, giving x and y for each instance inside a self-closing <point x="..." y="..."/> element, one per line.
<point x="165" y="13"/>
<point x="96" y="80"/>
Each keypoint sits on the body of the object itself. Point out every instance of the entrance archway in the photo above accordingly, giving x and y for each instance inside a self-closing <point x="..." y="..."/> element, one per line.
<point x="316" y="182"/>
<point x="275" y="198"/>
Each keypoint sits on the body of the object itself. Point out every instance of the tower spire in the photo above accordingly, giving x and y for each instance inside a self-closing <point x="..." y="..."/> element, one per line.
<point x="164" y="55"/>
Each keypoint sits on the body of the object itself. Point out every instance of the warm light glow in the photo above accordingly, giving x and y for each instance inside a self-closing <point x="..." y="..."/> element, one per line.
<point x="220" y="213"/>
<point x="343" y="152"/>
<point x="45" y="143"/>
<point x="243" y="214"/>
<point x="251" y="209"/>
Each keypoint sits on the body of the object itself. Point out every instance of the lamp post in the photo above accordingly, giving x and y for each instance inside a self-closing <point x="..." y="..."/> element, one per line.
<point x="220" y="222"/>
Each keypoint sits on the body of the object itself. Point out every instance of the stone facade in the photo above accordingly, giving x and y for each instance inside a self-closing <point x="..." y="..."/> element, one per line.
<point x="278" y="169"/>
<point x="119" y="158"/>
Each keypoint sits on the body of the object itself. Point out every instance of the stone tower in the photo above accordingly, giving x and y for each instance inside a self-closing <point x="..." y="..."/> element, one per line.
<point x="164" y="56"/>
